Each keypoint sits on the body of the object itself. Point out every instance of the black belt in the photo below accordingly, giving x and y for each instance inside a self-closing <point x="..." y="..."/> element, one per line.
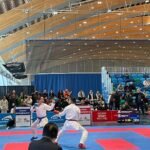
<point x="40" y="118"/>
<point x="71" y="120"/>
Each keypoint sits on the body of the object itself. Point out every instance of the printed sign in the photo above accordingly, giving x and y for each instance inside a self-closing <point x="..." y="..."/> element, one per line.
<point x="104" y="115"/>
<point x="23" y="117"/>
<point x="85" y="116"/>
<point x="128" y="117"/>
<point x="50" y="119"/>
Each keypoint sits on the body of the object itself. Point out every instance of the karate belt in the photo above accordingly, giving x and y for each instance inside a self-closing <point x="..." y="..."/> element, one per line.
<point x="40" y="118"/>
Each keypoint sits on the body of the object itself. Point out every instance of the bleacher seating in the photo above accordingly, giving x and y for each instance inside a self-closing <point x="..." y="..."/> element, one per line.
<point x="136" y="78"/>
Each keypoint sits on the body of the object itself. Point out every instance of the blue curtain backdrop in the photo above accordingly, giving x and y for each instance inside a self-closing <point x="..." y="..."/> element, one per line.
<point x="73" y="82"/>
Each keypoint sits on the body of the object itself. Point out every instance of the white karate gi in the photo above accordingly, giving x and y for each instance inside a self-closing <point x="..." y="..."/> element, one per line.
<point x="42" y="119"/>
<point x="72" y="113"/>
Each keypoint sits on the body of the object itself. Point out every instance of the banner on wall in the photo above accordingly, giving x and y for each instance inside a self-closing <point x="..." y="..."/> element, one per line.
<point x="104" y="115"/>
<point x="50" y="114"/>
<point x="128" y="117"/>
<point x="85" y="116"/>
<point x="5" y="117"/>
<point x="23" y="117"/>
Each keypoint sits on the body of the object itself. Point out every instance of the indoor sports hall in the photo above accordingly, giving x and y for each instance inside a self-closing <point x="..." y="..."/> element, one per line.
<point x="78" y="66"/>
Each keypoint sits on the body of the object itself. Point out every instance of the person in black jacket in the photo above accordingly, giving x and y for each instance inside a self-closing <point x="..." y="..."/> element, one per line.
<point x="47" y="142"/>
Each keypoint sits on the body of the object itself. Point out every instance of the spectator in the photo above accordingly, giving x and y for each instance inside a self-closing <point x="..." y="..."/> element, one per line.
<point x="91" y="95"/>
<point x="81" y="95"/>
<point x="51" y="94"/>
<point x="60" y="94"/>
<point x="45" y="94"/>
<point x="120" y="88"/>
<point x="13" y="101"/>
<point x="67" y="93"/>
<point x="98" y="95"/>
<point x="4" y="105"/>
<point x="47" y="142"/>
<point x="28" y="101"/>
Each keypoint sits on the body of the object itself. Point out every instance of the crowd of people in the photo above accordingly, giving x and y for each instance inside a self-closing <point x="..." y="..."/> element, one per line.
<point x="126" y="97"/>
<point x="12" y="100"/>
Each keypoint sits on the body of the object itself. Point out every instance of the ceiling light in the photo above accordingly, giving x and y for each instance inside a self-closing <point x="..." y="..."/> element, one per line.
<point x="93" y="37"/>
<point x="92" y="7"/>
<point x="54" y="12"/>
<point x="131" y="22"/>
<point x="79" y="49"/>
<point x="104" y="27"/>
<point x="140" y="29"/>
<point x="64" y="49"/>
<point x="84" y="22"/>
<point x="99" y="2"/>
<point x="147" y="1"/>
<point x="109" y="10"/>
<point x="57" y="32"/>
<point x="119" y="14"/>
<point x="147" y="35"/>
<point x="64" y="17"/>
<point x="117" y="32"/>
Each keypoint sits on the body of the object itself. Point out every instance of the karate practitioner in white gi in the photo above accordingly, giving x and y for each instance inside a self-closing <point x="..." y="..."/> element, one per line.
<point x="41" y="112"/>
<point x="72" y="113"/>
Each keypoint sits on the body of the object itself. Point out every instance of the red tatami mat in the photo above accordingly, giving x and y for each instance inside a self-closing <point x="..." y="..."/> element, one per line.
<point x="16" y="146"/>
<point x="10" y="133"/>
<point x="116" y="144"/>
<point x="105" y="130"/>
<point x="142" y="131"/>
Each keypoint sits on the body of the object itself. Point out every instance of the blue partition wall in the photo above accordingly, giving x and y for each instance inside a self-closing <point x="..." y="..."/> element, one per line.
<point x="73" y="82"/>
